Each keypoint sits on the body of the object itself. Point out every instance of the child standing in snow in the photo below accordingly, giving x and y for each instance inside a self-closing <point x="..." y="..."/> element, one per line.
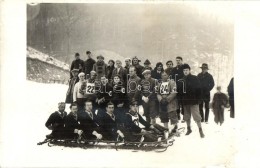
<point x="220" y="101"/>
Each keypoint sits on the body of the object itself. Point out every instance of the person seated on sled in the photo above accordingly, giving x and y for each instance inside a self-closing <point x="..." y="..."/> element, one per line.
<point x="72" y="125"/>
<point x="56" y="122"/>
<point x="89" y="122"/>
<point x="133" y="128"/>
<point x="109" y="124"/>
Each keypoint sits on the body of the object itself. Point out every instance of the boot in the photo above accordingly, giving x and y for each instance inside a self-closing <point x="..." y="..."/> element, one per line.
<point x="201" y="133"/>
<point x="188" y="131"/>
<point x="175" y="129"/>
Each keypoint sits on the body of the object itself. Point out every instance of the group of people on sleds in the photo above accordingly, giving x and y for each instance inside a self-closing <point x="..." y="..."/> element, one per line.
<point x="89" y="125"/>
<point x="105" y="100"/>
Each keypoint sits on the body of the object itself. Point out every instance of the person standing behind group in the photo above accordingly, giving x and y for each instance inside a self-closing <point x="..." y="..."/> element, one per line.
<point x="169" y="68"/>
<point x="157" y="71"/>
<point x="139" y="68"/>
<point x="127" y="65"/>
<point x="191" y="96"/>
<point x="207" y="84"/>
<point x="177" y="73"/>
<point x="77" y="64"/>
<point x="89" y="63"/>
<point x="132" y="85"/>
<point x="100" y="67"/>
<point x="72" y="82"/>
<point x="110" y="69"/>
<point x="120" y="71"/>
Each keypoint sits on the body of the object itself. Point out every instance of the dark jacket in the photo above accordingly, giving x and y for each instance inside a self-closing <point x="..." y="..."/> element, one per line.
<point x="56" y="122"/>
<point x="177" y="72"/>
<point x="71" y="123"/>
<point x="190" y="90"/>
<point x="156" y="75"/>
<point x="148" y="89"/>
<point x="109" y="72"/>
<point x="207" y="84"/>
<point x="104" y="92"/>
<point x="133" y="121"/>
<point x="118" y="95"/>
<point x="139" y="70"/>
<point x="88" y="64"/>
<point x="87" y="124"/>
<point x="121" y="73"/>
<point x="109" y="127"/>
<point x="101" y="69"/>
<point x="132" y="87"/>
<point x="169" y="71"/>
<point x="77" y="64"/>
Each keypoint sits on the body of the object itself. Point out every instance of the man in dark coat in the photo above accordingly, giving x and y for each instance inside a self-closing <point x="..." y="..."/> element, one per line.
<point x="191" y="96"/>
<point x="56" y="122"/>
<point x="77" y="64"/>
<point x="88" y="64"/>
<point x="231" y="98"/>
<point x="207" y="84"/>
<point x="100" y="67"/>
<point x="138" y="67"/>
<point x="72" y="125"/>
<point x="177" y="73"/>
<point x="127" y="65"/>
<point x="109" y="124"/>
<point x="89" y="122"/>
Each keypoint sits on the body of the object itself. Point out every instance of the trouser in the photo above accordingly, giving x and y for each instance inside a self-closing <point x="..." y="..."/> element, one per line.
<point x="150" y="110"/>
<point x="206" y="116"/>
<point x="219" y="115"/>
<point x="232" y="108"/>
<point x="194" y="111"/>
<point x="180" y="109"/>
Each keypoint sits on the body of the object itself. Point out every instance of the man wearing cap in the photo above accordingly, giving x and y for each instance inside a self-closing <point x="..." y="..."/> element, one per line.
<point x="149" y="98"/>
<point x="138" y="67"/>
<point x="190" y="91"/>
<point x="100" y="67"/>
<point x="127" y="65"/>
<point x="56" y="122"/>
<point x="72" y="82"/>
<point x="177" y="73"/>
<point x="89" y="63"/>
<point x="169" y="68"/>
<point x="207" y="84"/>
<point x="77" y="64"/>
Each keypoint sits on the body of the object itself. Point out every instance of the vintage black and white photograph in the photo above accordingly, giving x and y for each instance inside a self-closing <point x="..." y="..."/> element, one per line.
<point x="127" y="85"/>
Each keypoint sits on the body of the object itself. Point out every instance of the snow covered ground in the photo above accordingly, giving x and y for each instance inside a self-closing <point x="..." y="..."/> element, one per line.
<point x="24" y="128"/>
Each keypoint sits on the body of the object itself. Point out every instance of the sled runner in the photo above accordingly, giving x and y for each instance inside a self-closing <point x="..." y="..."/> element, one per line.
<point x="81" y="142"/>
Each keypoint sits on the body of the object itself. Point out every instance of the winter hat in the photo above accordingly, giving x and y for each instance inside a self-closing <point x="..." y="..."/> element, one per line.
<point x="147" y="62"/>
<point x="186" y="66"/>
<point x="204" y="66"/>
<point x="100" y="56"/>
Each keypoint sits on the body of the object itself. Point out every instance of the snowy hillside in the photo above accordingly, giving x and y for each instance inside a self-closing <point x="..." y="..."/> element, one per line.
<point x="33" y="53"/>
<point x="218" y="148"/>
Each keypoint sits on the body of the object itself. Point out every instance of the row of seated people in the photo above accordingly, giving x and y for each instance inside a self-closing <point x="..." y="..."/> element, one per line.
<point x="106" y="125"/>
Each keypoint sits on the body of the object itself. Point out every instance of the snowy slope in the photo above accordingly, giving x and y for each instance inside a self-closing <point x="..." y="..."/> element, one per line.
<point x="218" y="148"/>
<point x="35" y="54"/>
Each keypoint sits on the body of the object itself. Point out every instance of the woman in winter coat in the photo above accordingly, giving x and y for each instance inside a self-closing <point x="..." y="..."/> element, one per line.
<point x="157" y="71"/>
